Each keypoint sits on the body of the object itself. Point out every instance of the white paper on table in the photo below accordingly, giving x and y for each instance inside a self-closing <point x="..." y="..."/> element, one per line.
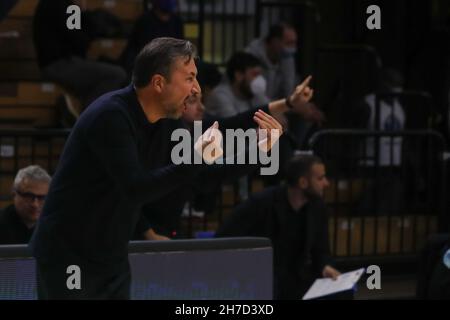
<point x="326" y="286"/>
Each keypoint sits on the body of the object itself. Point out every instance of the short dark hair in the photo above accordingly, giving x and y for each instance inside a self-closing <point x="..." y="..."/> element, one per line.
<point x="241" y="61"/>
<point x="157" y="57"/>
<point x="276" y="31"/>
<point x="299" y="166"/>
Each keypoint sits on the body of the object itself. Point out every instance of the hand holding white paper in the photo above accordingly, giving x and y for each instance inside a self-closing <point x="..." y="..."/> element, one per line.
<point x="209" y="144"/>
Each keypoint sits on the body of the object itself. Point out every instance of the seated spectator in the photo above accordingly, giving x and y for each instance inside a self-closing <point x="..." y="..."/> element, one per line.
<point x="294" y="217"/>
<point x="61" y="54"/>
<point x="243" y="88"/>
<point x="277" y="53"/>
<point x="18" y="220"/>
<point x="160" y="21"/>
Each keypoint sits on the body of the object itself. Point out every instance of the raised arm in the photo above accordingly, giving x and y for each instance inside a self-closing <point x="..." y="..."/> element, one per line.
<point x="111" y="140"/>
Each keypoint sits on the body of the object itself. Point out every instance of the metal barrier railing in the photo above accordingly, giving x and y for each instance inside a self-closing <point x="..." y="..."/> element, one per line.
<point x="344" y="73"/>
<point x="417" y="106"/>
<point x="226" y="26"/>
<point x="410" y="167"/>
<point x="223" y="27"/>
<point x="386" y="202"/>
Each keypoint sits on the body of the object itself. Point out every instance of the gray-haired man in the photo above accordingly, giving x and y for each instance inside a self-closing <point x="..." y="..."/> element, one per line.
<point x="17" y="221"/>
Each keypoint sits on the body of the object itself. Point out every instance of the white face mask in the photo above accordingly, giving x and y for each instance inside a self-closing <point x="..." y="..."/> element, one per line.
<point x="258" y="85"/>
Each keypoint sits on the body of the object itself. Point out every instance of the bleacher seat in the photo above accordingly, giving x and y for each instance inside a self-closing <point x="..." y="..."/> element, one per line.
<point x="124" y="9"/>
<point x="109" y="48"/>
<point x="406" y="234"/>
<point x="24" y="9"/>
<point x="28" y="103"/>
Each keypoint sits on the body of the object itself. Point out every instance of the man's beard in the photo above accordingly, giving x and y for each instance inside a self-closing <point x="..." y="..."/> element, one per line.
<point x="311" y="194"/>
<point x="174" y="113"/>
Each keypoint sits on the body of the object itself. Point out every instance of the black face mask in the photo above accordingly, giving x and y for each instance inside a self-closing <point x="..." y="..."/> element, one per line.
<point x="311" y="194"/>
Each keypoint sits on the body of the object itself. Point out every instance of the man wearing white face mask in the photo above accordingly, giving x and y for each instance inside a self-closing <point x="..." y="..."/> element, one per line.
<point x="242" y="89"/>
<point x="277" y="53"/>
<point x="258" y="86"/>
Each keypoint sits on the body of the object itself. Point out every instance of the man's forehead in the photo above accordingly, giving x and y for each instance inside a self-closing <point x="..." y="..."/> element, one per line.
<point x="318" y="168"/>
<point x="184" y="65"/>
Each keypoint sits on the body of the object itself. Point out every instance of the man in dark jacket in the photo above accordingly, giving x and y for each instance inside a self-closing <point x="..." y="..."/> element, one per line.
<point x="294" y="217"/>
<point x="114" y="161"/>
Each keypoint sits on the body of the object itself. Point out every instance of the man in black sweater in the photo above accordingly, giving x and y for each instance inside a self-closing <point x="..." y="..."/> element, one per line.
<point x="114" y="161"/>
<point x="294" y="217"/>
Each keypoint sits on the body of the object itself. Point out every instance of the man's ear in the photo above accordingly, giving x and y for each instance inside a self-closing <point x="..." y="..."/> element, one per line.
<point x="303" y="182"/>
<point x="157" y="83"/>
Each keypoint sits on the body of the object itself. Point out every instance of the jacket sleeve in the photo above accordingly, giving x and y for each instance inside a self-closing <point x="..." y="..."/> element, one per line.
<point x="111" y="139"/>
<point x="320" y="250"/>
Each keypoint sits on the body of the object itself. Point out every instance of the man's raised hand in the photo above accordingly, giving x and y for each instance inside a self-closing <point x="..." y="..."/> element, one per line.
<point x="269" y="130"/>
<point x="208" y="144"/>
<point x="300" y="100"/>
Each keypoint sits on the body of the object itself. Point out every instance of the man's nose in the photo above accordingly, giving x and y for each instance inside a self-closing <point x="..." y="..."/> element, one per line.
<point x="35" y="203"/>
<point x="196" y="88"/>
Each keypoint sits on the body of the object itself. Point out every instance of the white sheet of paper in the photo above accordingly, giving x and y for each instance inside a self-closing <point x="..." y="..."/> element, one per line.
<point x="326" y="286"/>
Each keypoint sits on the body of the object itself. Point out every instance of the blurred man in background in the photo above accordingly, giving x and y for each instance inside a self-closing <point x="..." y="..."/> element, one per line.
<point x="294" y="217"/>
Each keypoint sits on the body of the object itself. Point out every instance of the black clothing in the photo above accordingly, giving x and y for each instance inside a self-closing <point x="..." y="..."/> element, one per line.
<point x="147" y="28"/>
<point x="52" y="39"/>
<point x="12" y="228"/>
<point x="114" y="161"/>
<point x="164" y="214"/>
<point x="299" y="239"/>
